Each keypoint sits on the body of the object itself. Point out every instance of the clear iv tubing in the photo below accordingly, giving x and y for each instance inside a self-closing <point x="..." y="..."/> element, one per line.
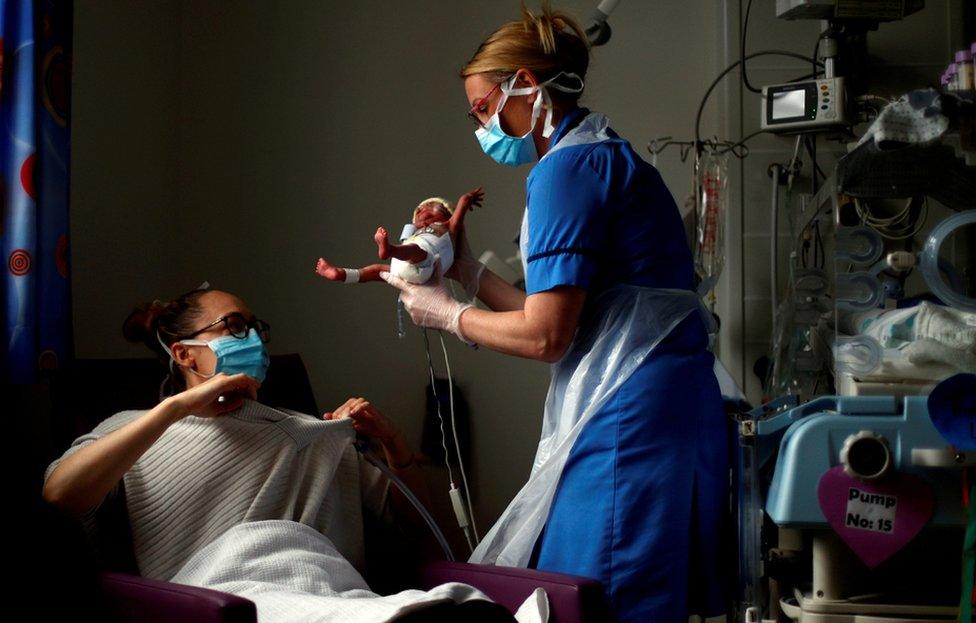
<point x="458" y="507"/>
<point x="407" y="493"/>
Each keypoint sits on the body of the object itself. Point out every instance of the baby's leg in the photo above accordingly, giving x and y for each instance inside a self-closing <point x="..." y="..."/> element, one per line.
<point x="372" y="272"/>
<point x="366" y="273"/>
<point x="330" y="272"/>
<point x="404" y="252"/>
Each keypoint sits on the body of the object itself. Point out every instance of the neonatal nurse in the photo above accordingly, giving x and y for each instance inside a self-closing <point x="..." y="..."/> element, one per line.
<point x="629" y="483"/>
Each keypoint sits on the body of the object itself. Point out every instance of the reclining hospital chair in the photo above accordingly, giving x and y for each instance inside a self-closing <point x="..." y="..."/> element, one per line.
<point x="80" y="402"/>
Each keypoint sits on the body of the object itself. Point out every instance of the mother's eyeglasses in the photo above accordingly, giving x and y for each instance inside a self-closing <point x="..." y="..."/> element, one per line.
<point x="238" y="326"/>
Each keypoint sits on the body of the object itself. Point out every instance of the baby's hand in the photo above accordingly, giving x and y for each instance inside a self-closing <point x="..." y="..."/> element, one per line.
<point x="471" y="199"/>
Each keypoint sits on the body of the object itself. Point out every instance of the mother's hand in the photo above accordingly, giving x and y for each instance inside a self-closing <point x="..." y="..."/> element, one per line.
<point x="217" y="395"/>
<point x="366" y="419"/>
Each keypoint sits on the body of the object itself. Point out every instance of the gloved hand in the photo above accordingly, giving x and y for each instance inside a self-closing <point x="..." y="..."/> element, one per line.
<point x="430" y="304"/>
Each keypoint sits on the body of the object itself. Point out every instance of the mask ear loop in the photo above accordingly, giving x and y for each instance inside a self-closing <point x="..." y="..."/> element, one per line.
<point x="169" y="377"/>
<point x="172" y="360"/>
<point x="507" y="90"/>
<point x="536" y="106"/>
<point x="547" y="128"/>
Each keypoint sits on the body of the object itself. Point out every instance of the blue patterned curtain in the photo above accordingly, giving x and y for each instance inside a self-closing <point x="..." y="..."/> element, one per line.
<point x="35" y="87"/>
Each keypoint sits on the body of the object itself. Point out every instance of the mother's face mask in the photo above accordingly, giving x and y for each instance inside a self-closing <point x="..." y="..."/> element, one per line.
<point x="233" y="355"/>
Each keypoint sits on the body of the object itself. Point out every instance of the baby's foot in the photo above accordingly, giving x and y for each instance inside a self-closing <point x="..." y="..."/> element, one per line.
<point x="383" y="243"/>
<point x="330" y="272"/>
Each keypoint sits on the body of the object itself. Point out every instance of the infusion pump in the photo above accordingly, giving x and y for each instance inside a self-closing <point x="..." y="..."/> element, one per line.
<point x="804" y="106"/>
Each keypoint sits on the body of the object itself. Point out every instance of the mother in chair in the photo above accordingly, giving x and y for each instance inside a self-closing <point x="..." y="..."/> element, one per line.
<point x="210" y="456"/>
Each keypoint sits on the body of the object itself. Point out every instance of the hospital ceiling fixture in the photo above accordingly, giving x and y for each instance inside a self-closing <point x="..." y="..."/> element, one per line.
<point x="597" y="28"/>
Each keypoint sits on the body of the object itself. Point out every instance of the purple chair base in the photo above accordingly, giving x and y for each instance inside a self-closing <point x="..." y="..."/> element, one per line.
<point x="572" y="599"/>
<point x="134" y="598"/>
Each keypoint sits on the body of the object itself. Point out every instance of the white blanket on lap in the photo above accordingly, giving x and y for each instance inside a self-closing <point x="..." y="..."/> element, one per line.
<point x="294" y="573"/>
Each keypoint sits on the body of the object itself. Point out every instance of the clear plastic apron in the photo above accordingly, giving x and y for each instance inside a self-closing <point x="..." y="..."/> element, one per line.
<point x="618" y="330"/>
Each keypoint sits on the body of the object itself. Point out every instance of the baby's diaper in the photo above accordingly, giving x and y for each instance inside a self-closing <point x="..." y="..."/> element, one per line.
<point x="435" y="246"/>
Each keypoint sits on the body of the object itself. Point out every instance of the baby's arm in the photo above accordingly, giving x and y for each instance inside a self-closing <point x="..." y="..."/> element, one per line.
<point x="346" y="275"/>
<point x="468" y="201"/>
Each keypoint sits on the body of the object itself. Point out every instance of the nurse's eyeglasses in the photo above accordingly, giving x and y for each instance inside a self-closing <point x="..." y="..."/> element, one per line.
<point x="238" y="326"/>
<point x="480" y="107"/>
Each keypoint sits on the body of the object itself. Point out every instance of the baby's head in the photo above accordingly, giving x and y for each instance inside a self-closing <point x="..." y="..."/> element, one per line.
<point x="433" y="210"/>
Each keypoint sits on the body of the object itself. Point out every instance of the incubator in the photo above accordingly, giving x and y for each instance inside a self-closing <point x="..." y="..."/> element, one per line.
<point x="862" y="513"/>
<point x="854" y="487"/>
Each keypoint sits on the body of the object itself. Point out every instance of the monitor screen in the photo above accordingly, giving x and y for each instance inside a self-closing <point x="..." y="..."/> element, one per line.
<point x="789" y="104"/>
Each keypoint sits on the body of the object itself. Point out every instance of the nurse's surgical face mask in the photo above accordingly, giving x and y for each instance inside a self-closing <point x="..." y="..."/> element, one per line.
<point x="234" y="355"/>
<point x="517" y="150"/>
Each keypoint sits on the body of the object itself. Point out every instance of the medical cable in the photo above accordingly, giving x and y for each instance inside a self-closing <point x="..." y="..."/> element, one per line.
<point x="433" y="389"/>
<point x="457" y="444"/>
<point x="727" y="70"/>
<point x="459" y="510"/>
<point x="407" y="493"/>
<point x="810" y="142"/>
<point x="742" y="51"/>
<point x="733" y="146"/>
<point x="793" y="168"/>
<point x="901" y="226"/>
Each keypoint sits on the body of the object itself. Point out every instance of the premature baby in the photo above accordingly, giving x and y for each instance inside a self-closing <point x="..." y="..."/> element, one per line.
<point x="434" y="231"/>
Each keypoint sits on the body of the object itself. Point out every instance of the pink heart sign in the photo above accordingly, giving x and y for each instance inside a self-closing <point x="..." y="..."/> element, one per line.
<point x="875" y="519"/>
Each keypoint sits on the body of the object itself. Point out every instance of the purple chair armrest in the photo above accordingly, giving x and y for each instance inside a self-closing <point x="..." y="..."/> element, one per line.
<point x="572" y="599"/>
<point x="137" y="599"/>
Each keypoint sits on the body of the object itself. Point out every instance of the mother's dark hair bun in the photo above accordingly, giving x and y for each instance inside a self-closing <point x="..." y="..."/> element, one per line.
<point x="167" y="320"/>
<point x="141" y="324"/>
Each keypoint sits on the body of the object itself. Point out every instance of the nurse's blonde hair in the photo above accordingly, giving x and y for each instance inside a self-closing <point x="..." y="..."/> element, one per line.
<point x="546" y="44"/>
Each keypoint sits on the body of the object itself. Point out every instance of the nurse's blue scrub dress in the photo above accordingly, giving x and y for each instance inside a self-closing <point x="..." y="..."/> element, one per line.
<point x="641" y="501"/>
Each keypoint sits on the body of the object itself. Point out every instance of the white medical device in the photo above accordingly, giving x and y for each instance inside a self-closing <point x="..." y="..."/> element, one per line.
<point x="803" y="106"/>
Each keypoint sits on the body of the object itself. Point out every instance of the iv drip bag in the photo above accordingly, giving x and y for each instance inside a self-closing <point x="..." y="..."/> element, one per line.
<point x="711" y="205"/>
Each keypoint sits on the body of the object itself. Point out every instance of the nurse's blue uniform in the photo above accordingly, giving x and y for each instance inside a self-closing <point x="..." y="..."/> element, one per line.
<point x="642" y="498"/>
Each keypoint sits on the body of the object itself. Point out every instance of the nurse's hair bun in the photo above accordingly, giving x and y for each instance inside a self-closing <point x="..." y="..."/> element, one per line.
<point x="547" y="25"/>
<point x="170" y="320"/>
<point x="546" y="42"/>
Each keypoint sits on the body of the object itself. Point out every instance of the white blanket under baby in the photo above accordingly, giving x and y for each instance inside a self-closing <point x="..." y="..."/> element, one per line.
<point x="293" y="573"/>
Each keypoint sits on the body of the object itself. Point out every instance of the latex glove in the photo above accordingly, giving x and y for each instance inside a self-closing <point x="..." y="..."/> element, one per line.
<point x="430" y="304"/>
